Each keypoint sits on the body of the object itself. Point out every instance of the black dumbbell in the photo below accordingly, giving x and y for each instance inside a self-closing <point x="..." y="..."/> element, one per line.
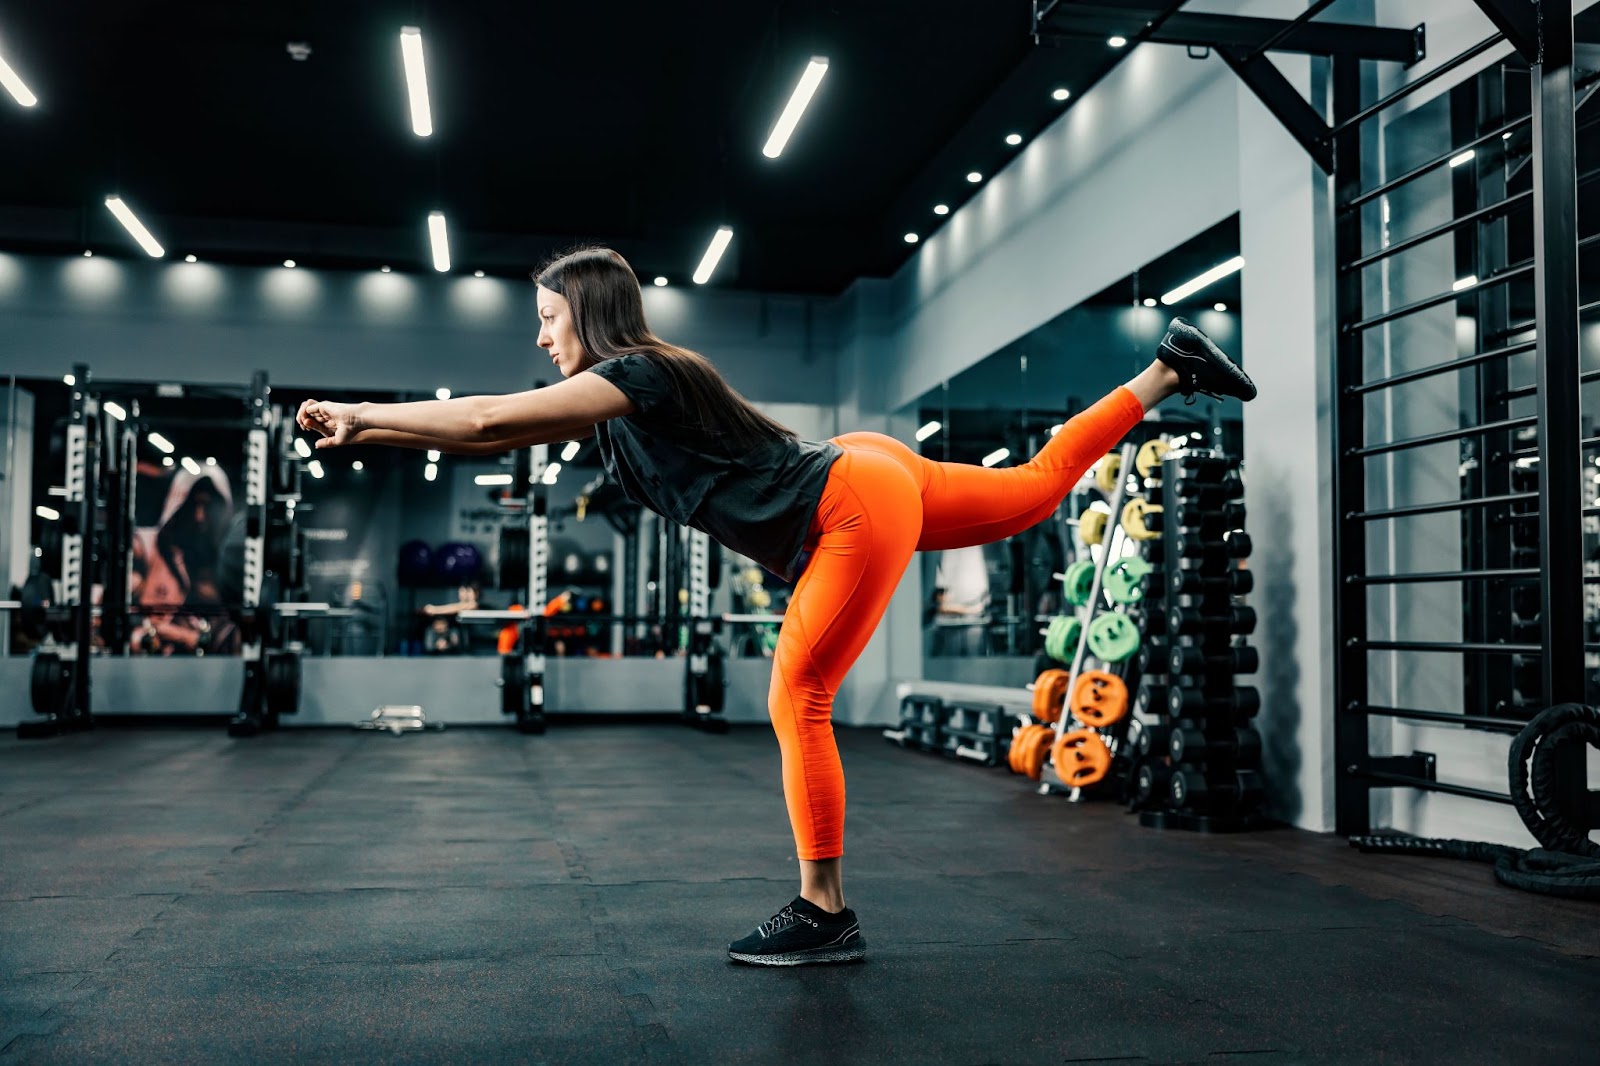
<point x="1230" y="544"/>
<point x="1191" y="620"/>
<point x="1197" y="582"/>
<point x="1195" y="661"/>
<point x="1240" y="703"/>
<point x="1201" y="467"/>
<point x="1241" y="746"/>
<point x="1199" y="516"/>
<point x="1152" y="740"/>
<point x="1150" y="700"/>
<point x="1208" y="493"/>
<point x="1242" y="789"/>
<point x="1150" y="782"/>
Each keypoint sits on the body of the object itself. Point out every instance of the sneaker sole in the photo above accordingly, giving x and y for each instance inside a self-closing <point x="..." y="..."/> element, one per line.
<point x="802" y="958"/>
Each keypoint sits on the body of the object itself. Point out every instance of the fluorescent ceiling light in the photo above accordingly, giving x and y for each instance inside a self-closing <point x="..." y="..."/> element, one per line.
<point x="430" y="472"/>
<point x="941" y="209"/>
<point x="1464" y="157"/>
<point x="440" y="241"/>
<point x="135" y="227"/>
<point x="166" y="460"/>
<point x="289" y="264"/>
<point x="1216" y="273"/>
<point x="384" y="269"/>
<point x="804" y="90"/>
<point x="1057" y="428"/>
<point x="19" y="92"/>
<point x="552" y="472"/>
<point x="1464" y="283"/>
<point x="492" y="479"/>
<point x="433" y="456"/>
<point x="158" y="441"/>
<point x="87" y="254"/>
<point x="49" y="514"/>
<point x="442" y="394"/>
<point x="115" y="410"/>
<point x="708" y="262"/>
<point x="315" y="466"/>
<point x="570" y="452"/>
<point x="929" y="430"/>
<point x="995" y="456"/>
<point x="416" y="80"/>
<point x="302" y="448"/>
<point x="191" y="466"/>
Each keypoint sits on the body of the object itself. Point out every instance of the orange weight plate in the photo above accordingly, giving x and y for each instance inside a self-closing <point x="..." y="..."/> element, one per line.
<point x="1099" y="699"/>
<point x="1081" y="758"/>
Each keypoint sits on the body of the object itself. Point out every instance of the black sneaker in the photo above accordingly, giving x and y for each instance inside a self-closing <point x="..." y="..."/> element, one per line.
<point x="802" y="934"/>
<point x="1201" y="364"/>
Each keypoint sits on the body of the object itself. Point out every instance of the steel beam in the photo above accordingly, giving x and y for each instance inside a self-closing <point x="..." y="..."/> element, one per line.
<point x="1234" y="31"/>
<point x="1285" y="103"/>
<point x="1518" y="20"/>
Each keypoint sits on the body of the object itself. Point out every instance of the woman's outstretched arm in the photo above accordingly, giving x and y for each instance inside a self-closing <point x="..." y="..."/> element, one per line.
<point x="396" y="439"/>
<point x="539" y="416"/>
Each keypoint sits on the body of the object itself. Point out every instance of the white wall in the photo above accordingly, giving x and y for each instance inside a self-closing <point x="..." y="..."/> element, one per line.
<point x="143" y="320"/>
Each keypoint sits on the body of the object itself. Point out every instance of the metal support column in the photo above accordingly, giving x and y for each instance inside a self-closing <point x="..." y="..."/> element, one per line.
<point x="1555" y="211"/>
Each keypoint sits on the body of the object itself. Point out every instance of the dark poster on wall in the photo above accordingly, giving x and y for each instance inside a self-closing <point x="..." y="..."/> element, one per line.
<point x="187" y="554"/>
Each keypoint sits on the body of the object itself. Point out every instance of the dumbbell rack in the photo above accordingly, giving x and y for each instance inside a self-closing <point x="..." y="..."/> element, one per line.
<point x="1199" y="760"/>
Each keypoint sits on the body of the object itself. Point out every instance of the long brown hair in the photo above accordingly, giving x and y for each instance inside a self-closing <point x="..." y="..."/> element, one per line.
<point x="608" y="314"/>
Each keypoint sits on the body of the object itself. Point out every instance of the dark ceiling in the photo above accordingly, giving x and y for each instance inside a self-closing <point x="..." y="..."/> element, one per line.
<point x="636" y="124"/>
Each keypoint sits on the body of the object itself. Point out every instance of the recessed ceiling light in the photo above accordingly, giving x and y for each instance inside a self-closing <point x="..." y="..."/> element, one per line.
<point x="384" y="269"/>
<point x="442" y="394"/>
<point x="190" y="258"/>
<point x="477" y="273"/>
<point x="941" y="209"/>
<point x="1149" y="301"/>
<point x="289" y="263"/>
<point x="1061" y="94"/>
<point x="912" y="238"/>
<point x="1013" y="139"/>
<point x="357" y="465"/>
<point x="660" y="281"/>
<point x="974" y="177"/>
<point x="1219" y="306"/>
<point x="87" y="254"/>
<point x="1118" y="42"/>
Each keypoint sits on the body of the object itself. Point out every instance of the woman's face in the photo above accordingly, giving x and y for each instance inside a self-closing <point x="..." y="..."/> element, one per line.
<point x="557" y="334"/>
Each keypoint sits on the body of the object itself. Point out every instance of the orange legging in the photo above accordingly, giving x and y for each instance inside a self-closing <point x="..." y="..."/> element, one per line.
<point x="882" y="503"/>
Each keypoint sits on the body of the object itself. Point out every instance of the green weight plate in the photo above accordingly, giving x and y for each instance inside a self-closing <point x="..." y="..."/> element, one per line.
<point x="1078" y="583"/>
<point x="1113" y="638"/>
<point x="1061" y="641"/>
<point x="1124" y="581"/>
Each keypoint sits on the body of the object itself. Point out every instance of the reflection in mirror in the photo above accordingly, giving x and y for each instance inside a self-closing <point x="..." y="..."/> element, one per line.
<point x="994" y="601"/>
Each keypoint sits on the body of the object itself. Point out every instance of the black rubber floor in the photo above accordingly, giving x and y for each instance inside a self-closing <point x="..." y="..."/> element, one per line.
<point x="470" y="896"/>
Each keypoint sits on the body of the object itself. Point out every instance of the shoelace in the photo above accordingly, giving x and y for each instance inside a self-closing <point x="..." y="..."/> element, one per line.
<point x="783" y="920"/>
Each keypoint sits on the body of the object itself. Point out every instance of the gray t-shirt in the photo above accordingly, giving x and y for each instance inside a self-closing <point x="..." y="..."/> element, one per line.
<point x="758" y="502"/>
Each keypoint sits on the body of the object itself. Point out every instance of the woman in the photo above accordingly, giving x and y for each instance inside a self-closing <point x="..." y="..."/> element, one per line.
<point x="844" y="515"/>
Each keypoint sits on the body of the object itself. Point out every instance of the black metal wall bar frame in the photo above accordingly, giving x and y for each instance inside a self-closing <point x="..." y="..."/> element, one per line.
<point x="1548" y="46"/>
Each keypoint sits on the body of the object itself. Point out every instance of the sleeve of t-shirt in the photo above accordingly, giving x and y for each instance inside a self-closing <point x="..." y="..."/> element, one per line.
<point x="640" y="380"/>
